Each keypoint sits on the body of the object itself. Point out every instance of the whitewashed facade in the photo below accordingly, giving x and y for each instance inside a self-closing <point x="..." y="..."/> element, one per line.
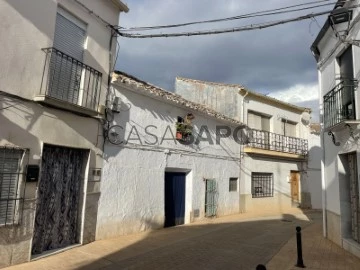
<point x="54" y="65"/>
<point x="280" y="166"/>
<point x="134" y="180"/>
<point x="338" y="60"/>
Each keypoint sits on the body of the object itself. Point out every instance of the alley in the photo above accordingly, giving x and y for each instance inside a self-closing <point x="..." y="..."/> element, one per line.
<point x="232" y="242"/>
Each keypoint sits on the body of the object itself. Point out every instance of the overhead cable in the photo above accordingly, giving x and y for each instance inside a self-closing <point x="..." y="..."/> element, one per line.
<point x="230" y="30"/>
<point x="269" y="12"/>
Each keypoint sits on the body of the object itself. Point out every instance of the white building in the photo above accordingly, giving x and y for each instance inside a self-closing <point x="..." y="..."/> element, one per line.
<point x="54" y="75"/>
<point x="280" y="164"/>
<point x="150" y="179"/>
<point x="337" y="52"/>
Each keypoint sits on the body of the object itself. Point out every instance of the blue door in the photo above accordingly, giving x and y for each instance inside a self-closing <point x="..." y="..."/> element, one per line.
<point x="174" y="199"/>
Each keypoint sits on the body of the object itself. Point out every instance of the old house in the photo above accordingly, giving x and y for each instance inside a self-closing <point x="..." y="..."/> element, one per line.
<point x="169" y="162"/>
<point x="336" y="50"/>
<point x="55" y="63"/>
<point x="280" y="167"/>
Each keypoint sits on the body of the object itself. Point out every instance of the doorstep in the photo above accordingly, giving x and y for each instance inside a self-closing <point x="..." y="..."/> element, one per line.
<point x="352" y="246"/>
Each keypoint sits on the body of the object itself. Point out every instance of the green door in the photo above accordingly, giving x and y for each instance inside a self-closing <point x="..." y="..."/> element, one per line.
<point x="210" y="198"/>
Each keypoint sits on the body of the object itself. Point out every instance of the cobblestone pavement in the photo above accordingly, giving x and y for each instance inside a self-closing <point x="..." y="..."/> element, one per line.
<point x="233" y="242"/>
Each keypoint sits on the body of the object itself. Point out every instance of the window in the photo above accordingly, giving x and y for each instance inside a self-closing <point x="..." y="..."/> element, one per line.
<point x="9" y="185"/>
<point x="233" y="184"/>
<point x="258" y="121"/>
<point x="262" y="185"/>
<point x="288" y="128"/>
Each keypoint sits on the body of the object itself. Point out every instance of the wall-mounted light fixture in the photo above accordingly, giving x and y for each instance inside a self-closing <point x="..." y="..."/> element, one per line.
<point x="339" y="20"/>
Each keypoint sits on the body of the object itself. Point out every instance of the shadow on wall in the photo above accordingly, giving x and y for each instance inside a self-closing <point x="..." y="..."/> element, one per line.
<point x="150" y="106"/>
<point x="46" y="25"/>
<point x="27" y="125"/>
<point x="15" y="237"/>
<point x="219" y="244"/>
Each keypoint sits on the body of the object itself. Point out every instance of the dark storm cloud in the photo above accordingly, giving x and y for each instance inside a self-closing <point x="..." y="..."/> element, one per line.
<point x="263" y="60"/>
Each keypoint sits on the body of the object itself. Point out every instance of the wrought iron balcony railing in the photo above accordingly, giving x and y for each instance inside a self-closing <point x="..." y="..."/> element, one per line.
<point x="277" y="142"/>
<point x="339" y="103"/>
<point x="69" y="80"/>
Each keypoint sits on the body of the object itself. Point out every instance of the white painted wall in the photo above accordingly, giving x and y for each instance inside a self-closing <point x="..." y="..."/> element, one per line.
<point x="277" y="113"/>
<point x="328" y="74"/>
<point x="25" y="29"/>
<point x="30" y="27"/>
<point x="313" y="170"/>
<point x="136" y="173"/>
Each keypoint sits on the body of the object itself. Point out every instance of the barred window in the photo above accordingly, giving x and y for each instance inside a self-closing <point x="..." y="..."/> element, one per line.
<point x="233" y="183"/>
<point x="10" y="194"/>
<point x="262" y="185"/>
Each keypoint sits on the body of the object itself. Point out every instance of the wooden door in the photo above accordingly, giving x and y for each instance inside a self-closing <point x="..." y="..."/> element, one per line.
<point x="295" y="181"/>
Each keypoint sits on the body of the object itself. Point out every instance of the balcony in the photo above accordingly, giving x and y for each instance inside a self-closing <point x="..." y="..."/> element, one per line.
<point x="69" y="84"/>
<point x="272" y="144"/>
<point x="339" y="104"/>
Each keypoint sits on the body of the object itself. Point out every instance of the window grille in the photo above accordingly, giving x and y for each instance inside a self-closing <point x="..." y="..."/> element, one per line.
<point x="262" y="185"/>
<point x="233" y="184"/>
<point x="11" y="187"/>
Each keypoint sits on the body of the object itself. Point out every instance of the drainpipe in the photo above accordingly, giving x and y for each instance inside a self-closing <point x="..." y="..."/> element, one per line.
<point x="243" y="106"/>
<point x="322" y="144"/>
<point x="323" y="183"/>
<point x="242" y="150"/>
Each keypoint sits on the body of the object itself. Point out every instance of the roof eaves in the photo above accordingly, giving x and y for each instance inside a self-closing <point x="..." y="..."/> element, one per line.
<point x="121" y="5"/>
<point x="157" y="92"/>
<point x="274" y="100"/>
<point x="209" y="83"/>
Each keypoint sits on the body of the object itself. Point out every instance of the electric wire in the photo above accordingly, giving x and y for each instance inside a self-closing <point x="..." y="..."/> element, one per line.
<point x="228" y="30"/>
<point x="248" y="15"/>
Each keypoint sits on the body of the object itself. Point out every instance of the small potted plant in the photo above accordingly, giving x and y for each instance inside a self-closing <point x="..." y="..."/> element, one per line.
<point x="180" y="128"/>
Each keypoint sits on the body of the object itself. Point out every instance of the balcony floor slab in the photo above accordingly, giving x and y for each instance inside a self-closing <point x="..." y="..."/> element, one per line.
<point x="60" y="104"/>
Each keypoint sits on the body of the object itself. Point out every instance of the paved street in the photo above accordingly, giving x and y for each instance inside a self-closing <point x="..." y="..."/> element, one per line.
<point x="233" y="242"/>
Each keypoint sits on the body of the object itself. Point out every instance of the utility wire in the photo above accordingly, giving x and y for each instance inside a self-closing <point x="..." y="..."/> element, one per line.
<point x="230" y="30"/>
<point x="248" y="15"/>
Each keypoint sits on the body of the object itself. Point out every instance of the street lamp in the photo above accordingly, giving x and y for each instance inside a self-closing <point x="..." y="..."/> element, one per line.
<point x="339" y="20"/>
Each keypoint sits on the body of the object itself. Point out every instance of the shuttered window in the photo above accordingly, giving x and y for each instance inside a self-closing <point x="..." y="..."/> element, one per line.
<point x="9" y="184"/>
<point x="258" y="121"/>
<point x="70" y="34"/>
<point x="288" y="128"/>
<point x="67" y="78"/>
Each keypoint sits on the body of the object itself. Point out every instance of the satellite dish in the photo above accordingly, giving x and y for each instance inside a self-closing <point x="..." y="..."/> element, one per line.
<point x="305" y="118"/>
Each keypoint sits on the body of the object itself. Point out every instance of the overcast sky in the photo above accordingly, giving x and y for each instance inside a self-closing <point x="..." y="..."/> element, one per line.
<point x="275" y="61"/>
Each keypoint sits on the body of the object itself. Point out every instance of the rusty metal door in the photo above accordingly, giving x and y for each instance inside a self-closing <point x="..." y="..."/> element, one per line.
<point x="354" y="196"/>
<point x="295" y="181"/>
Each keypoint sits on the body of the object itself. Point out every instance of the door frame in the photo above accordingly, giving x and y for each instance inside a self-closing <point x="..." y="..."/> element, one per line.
<point x="82" y="200"/>
<point x="188" y="190"/>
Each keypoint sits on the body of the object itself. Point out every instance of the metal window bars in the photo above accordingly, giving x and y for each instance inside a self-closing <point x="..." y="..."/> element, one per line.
<point x="12" y="184"/>
<point x="262" y="185"/>
<point x="67" y="79"/>
<point x="339" y="103"/>
<point x="276" y="142"/>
